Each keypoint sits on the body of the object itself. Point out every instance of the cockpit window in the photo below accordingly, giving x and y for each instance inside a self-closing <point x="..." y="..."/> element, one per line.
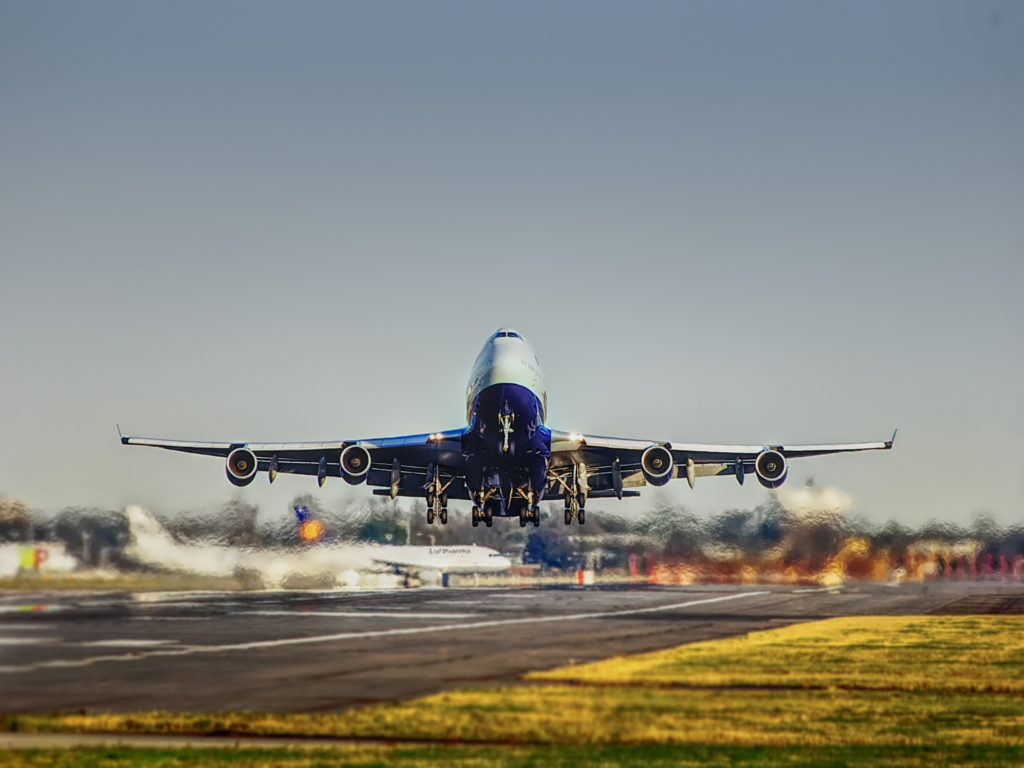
<point x="507" y="334"/>
<point x="512" y="335"/>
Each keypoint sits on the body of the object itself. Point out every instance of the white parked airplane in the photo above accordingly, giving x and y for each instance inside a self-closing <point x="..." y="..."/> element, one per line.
<point x="506" y="460"/>
<point x="151" y="545"/>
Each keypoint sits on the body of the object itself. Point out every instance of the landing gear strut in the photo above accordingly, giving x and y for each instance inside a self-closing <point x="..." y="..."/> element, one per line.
<point x="575" y="494"/>
<point x="437" y="496"/>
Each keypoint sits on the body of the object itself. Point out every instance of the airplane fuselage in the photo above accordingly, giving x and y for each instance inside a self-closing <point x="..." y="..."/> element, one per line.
<point x="506" y="446"/>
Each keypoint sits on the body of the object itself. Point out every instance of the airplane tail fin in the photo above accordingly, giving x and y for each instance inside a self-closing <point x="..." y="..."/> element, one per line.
<point x="311" y="530"/>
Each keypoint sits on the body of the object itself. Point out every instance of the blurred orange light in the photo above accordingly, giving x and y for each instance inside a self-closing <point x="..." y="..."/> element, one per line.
<point x="311" y="530"/>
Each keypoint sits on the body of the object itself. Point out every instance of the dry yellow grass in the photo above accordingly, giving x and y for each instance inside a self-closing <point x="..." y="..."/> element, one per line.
<point x="942" y="653"/>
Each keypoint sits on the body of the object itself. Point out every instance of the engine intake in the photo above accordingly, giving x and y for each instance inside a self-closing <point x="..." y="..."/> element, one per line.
<point x="656" y="463"/>
<point x="242" y="466"/>
<point x="771" y="469"/>
<point x="355" y="463"/>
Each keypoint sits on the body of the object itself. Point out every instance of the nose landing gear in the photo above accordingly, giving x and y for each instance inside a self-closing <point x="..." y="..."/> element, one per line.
<point x="506" y="417"/>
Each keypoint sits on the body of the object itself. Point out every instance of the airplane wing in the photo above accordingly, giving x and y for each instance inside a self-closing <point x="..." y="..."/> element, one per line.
<point x="398" y="464"/>
<point x="608" y="465"/>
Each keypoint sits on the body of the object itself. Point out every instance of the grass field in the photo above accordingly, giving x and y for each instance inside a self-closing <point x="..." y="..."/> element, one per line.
<point x="647" y="756"/>
<point x="912" y="653"/>
<point x="917" y="691"/>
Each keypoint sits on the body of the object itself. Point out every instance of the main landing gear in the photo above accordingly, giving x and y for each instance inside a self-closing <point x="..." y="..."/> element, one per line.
<point x="437" y="512"/>
<point x="575" y="491"/>
<point x="483" y="516"/>
<point x="530" y="515"/>
<point x="437" y="497"/>
<point x="574" y="508"/>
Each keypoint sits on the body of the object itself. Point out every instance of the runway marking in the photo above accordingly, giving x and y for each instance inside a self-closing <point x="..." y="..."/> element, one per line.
<point x="126" y="643"/>
<point x="264" y="644"/>
<point x="370" y="614"/>
<point x="27" y="640"/>
<point x="163" y="597"/>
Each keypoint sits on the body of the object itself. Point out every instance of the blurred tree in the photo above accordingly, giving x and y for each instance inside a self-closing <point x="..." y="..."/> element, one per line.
<point x="549" y="547"/>
<point x="382" y="531"/>
<point x="15" y="520"/>
<point x="893" y="537"/>
<point x="237" y="521"/>
<point x="96" y="536"/>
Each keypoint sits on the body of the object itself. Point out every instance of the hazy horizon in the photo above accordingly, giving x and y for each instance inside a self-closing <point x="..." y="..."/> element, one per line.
<point x="715" y="222"/>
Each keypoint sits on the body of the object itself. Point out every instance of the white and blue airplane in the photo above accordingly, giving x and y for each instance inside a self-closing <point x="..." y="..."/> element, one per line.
<point x="506" y="460"/>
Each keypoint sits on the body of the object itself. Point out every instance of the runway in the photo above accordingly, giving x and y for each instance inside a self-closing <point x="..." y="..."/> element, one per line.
<point x="330" y="651"/>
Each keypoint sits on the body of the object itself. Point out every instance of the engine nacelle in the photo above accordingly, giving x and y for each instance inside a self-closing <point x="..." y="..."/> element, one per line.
<point x="241" y="466"/>
<point x="656" y="463"/>
<point x="355" y="463"/>
<point x="771" y="469"/>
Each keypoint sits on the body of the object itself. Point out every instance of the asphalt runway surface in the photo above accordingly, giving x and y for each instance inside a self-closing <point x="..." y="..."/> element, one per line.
<point x="330" y="651"/>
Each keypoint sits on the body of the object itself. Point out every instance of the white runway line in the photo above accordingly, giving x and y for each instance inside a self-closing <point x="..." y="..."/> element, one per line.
<point x="264" y="644"/>
<point x="28" y="640"/>
<point x="125" y="643"/>
<point x="365" y="614"/>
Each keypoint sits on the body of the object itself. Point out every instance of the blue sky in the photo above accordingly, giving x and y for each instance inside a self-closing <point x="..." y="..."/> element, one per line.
<point x="716" y="222"/>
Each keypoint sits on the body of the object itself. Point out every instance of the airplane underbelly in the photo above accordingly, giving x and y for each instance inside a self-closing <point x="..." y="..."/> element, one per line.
<point x="507" y="448"/>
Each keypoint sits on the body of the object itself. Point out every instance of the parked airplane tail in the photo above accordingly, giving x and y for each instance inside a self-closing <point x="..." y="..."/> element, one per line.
<point x="144" y="527"/>
<point x="311" y="530"/>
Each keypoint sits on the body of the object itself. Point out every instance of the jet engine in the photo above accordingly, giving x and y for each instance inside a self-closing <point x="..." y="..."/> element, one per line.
<point x="656" y="463"/>
<point x="355" y="463"/>
<point x="241" y="467"/>
<point x="771" y="469"/>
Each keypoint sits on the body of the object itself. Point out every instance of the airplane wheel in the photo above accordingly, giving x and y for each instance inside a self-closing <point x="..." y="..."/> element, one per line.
<point x="522" y="519"/>
<point x="490" y="521"/>
<point x="582" y="517"/>
<point x="476" y="516"/>
<point x="536" y="517"/>
<point x="444" y="516"/>
<point x="568" y="517"/>
<point x="430" y="516"/>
